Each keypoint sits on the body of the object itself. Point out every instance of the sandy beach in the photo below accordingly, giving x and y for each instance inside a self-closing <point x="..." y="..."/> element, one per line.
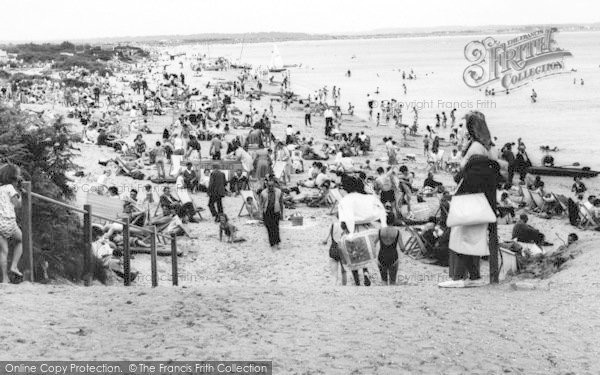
<point x="247" y="301"/>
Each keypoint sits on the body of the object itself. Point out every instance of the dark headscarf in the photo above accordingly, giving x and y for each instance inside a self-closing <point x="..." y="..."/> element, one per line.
<point x="478" y="130"/>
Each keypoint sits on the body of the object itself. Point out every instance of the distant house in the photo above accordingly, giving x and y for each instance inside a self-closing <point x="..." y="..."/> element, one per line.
<point x="3" y="56"/>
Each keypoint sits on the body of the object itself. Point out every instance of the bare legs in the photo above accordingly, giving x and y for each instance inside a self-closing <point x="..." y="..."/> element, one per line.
<point x="17" y="252"/>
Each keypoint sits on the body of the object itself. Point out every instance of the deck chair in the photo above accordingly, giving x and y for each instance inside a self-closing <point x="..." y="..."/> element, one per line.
<point x="185" y="197"/>
<point x="587" y="219"/>
<point x="246" y="195"/>
<point x="414" y="246"/>
<point x="280" y="172"/>
<point x="335" y="198"/>
<point x="562" y="201"/>
<point x="109" y="207"/>
<point x="175" y="165"/>
<point x="528" y="198"/>
<point x="538" y="200"/>
<point x="121" y="164"/>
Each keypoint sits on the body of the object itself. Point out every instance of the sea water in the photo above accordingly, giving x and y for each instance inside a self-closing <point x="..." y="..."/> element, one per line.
<point x="566" y="115"/>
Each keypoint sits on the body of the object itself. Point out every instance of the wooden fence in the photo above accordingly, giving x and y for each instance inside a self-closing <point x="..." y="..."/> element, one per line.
<point x="87" y="240"/>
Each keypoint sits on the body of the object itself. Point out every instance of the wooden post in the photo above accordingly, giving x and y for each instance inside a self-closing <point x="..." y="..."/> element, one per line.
<point x="174" y="275"/>
<point x="27" y="232"/>
<point x="87" y="245"/>
<point x="493" y="244"/>
<point x="153" y="259"/>
<point x="126" y="254"/>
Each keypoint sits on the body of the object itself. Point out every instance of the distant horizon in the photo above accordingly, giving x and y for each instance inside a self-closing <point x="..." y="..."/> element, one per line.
<point x="60" y="20"/>
<point x="400" y="31"/>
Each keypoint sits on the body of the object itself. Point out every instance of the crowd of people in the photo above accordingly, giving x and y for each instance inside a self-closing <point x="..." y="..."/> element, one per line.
<point x="276" y="174"/>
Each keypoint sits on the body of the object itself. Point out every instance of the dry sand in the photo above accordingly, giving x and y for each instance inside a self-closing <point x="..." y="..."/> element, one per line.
<point x="246" y="301"/>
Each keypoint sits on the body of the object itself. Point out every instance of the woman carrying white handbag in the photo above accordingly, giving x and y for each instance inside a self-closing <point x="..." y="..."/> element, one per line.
<point x="474" y="205"/>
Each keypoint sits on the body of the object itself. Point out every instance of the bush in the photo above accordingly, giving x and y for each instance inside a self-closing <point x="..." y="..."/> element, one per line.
<point x="44" y="155"/>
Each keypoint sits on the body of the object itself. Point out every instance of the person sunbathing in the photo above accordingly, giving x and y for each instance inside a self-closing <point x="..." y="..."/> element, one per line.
<point x="168" y="203"/>
<point x="177" y="225"/>
<point x="524" y="232"/>
<point x="321" y="199"/>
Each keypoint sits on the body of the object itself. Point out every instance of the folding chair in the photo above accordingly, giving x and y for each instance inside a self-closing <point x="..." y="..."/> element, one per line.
<point x="108" y="207"/>
<point x="279" y="170"/>
<point x="587" y="219"/>
<point x="102" y="205"/>
<point x="538" y="200"/>
<point x="528" y="199"/>
<point x="185" y="197"/>
<point x="249" y="195"/>
<point x="414" y="246"/>
<point x="562" y="200"/>
<point x="335" y="197"/>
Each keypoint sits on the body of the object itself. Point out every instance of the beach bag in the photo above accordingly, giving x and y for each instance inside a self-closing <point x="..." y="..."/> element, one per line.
<point x="334" y="251"/>
<point x="470" y="209"/>
<point x="359" y="249"/>
<point x="470" y="240"/>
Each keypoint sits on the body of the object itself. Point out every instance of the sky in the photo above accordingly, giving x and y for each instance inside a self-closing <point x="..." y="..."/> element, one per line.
<point x="57" y="20"/>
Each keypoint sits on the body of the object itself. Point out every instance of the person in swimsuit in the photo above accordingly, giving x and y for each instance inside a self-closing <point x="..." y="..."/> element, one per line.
<point x="389" y="239"/>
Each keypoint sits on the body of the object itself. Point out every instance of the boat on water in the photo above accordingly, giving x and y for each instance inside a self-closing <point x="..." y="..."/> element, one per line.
<point x="584" y="172"/>
<point x="241" y="65"/>
<point x="549" y="149"/>
<point x="276" y="63"/>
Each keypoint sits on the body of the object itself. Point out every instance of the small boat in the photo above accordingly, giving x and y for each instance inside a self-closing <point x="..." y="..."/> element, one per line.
<point x="239" y="65"/>
<point x="563" y="171"/>
<point x="549" y="149"/>
<point x="276" y="63"/>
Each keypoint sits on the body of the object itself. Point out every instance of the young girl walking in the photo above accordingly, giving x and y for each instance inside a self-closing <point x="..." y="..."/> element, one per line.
<point x="10" y="198"/>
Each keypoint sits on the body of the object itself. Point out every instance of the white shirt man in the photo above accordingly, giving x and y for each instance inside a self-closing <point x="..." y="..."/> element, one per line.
<point x="321" y="178"/>
<point x="289" y="131"/>
<point x="328" y="113"/>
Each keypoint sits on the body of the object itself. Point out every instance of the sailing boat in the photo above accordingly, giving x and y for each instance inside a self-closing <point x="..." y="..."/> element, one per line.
<point x="238" y="64"/>
<point x="276" y="63"/>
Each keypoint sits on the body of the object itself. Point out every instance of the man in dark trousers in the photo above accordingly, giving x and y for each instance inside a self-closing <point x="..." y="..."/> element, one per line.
<point x="216" y="191"/>
<point x="271" y="202"/>
<point x="190" y="178"/>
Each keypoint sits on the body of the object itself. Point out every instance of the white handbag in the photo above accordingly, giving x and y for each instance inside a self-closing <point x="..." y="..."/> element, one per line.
<point x="470" y="209"/>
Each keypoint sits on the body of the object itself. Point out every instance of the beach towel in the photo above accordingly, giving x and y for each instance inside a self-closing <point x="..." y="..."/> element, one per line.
<point x="176" y="164"/>
<point x="356" y="208"/>
<point x="279" y="169"/>
<point x="421" y="212"/>
<point x="359" y="249"/>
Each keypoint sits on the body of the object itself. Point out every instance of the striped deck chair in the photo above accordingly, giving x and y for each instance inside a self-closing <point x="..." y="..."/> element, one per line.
<point x="538" y="200"/>
<point x="103" y="205"/>
<point x="587" y="219"/>
<point x="415" y="246"/>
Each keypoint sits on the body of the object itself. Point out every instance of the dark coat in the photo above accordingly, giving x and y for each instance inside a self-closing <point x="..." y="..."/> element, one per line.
<point x="216" y="184"/>
<point x="480" y="175"/>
